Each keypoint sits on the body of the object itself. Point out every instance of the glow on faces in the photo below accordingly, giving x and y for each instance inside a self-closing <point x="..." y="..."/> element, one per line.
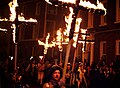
<point x="56" y="75"/>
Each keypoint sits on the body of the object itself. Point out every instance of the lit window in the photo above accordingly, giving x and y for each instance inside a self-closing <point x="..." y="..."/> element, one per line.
<point x="117" y="10"/>
<point x="102" y="48"/>
<point x="90" y="20"/>
<point x="117" y="47"/>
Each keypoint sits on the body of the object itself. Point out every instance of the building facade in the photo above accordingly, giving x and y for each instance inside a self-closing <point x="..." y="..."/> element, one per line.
<point x="104" y="30"/>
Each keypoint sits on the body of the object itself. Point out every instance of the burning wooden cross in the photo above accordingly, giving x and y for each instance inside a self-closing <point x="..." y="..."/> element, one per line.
<point x="16" y="19"/>
<point x="76" y="5"/>
<point x="46" y="45"/>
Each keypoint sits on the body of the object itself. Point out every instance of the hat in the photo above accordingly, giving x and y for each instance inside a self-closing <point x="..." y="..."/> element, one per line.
<point x="52" y="69"/>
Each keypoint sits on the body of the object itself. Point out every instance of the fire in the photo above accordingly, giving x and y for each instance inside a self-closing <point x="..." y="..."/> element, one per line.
<point x="68" y="1"/>
<point x="12" y="5"/>
<point x="68" y="20"/>
<point x="4" y="19"/>
<point x="77" y="27"/>
<point x="3" y="29"/>
<point x="46" y="44"/>
<point x="83" y="3"/>
<point x="14" y="32"/>
<point x="21" y="18"/>
<point x="59" y="39"/>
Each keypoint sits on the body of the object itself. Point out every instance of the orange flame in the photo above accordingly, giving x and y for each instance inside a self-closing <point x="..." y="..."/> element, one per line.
<point x="46" y="44"/>
<point x="68" y="1"/>
<point x="59" y="39"/>
<point x="3" y="29"/>
<point x="76" y="32"/>
<point x="68" y="20"/>
<point x="13" y="4"/>
<point x="84" y="3"/>
<point x="5" y="19"/>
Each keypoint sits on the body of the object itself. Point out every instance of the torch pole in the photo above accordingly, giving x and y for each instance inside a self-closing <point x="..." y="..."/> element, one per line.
<point x="60" y="57"/>
<point x="16" y="38"/>
<point x="71" y="36"/>
<point x="67" y="57"/>
<point x="73" y="64"/>
<point x="15" y="61"/>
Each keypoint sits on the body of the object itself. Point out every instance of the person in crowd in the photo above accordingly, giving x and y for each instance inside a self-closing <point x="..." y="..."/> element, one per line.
<point x="41" y="68"/>
<point x="54" y="78"/>
<point x="68" y="75"/>
<point x="81" y="80"/>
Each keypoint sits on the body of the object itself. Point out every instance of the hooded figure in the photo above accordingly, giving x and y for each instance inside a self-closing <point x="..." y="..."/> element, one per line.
<point x="54" y="78"/>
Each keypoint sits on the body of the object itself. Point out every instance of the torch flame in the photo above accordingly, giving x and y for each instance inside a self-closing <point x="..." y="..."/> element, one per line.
<point x="68" y="20"/>
<point x="69" y="1"/>
<point x="3" y="29"/>
<point x="59" y="39"/>
<point x="46" y="44"/>
<point x="77" y="27"/>
<point x="13" y="4"/>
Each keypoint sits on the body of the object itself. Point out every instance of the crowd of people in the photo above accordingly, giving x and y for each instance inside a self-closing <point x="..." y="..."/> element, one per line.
<point x="50" y="75"/>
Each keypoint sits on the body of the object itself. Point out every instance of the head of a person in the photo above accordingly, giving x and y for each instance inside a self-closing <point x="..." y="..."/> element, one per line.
<point x="55" y="73"/>
<point x="69" y="66"/>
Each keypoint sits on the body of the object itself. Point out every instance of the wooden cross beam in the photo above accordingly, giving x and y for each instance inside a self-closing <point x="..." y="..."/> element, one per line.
<point x="81" y="5"/>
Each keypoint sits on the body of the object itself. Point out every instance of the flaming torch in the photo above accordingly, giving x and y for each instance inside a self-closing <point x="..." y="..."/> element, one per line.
<point x="15" y="19"/>
<point x="46" y="45"/>
<point x="59" y="39"/>
<point x="76" y="5"/>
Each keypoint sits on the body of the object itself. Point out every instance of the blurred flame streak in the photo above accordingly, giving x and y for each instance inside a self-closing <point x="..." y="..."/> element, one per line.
<point x="3" y="29"/>
<point x="59" y="39"/>
<point x="77" y="27"/>
<point x="68" y="20"/>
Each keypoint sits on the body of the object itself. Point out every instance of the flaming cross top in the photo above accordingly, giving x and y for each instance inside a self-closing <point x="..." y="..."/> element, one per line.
<point x="82" y="4"/>
<point x="46" y="44"/>
<point x="16" y="19"/>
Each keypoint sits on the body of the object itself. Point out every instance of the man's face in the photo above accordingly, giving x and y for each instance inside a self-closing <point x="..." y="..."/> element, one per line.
<point x="56" y="75"/>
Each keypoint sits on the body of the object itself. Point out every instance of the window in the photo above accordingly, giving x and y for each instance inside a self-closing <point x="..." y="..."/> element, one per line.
<point x="117" y="10"/>
<point x="117" y="47"/>
<point x="51" y="9"/>
<point x="90" y="20"/>
<point x="103" y="48"/>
